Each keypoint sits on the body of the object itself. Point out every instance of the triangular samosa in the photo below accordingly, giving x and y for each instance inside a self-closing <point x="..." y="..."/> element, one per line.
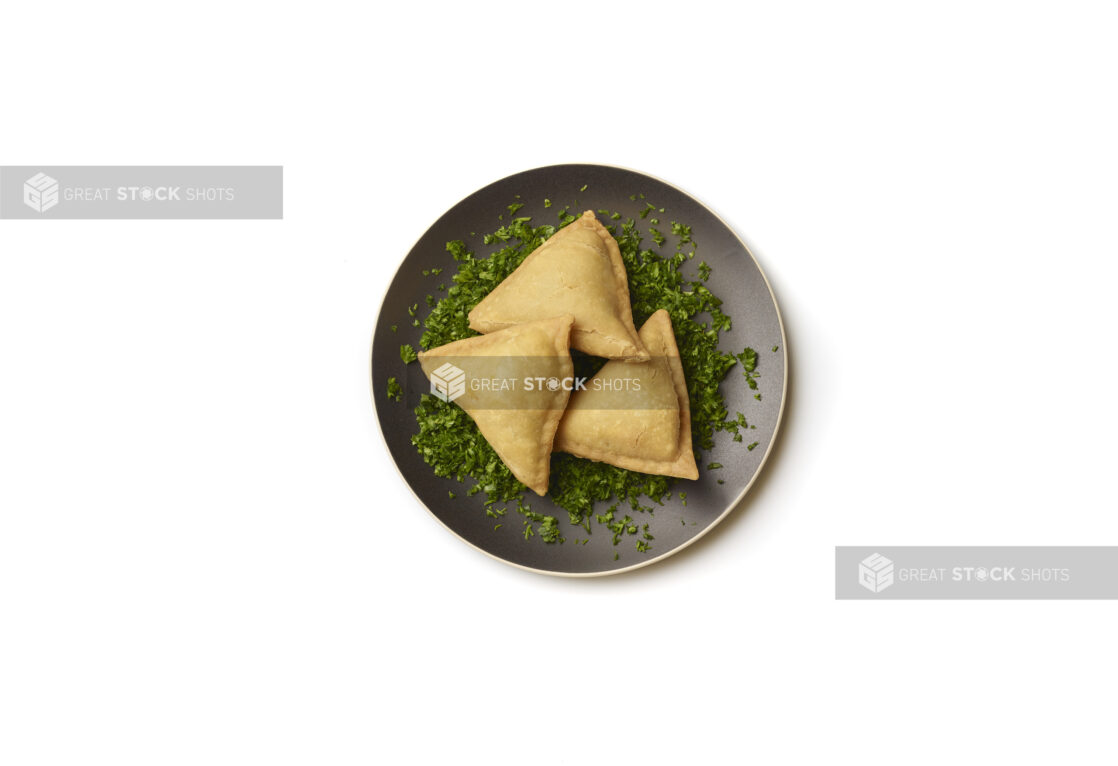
<point x="577" y="271"/>
<point x="635" y="416"/>
<point x="514" y="384"/>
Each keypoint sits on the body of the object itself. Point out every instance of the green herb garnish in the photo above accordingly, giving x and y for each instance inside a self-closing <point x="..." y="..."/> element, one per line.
<point x="408" y="354"/>
<point x="394" y="390"/>
<point x="748" y="359"/>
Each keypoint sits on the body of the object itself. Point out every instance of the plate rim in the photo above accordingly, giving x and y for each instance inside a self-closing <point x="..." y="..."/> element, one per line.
<point x="730" y="507"/>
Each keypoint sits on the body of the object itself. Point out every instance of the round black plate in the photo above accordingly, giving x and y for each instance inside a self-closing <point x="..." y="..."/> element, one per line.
<point x="737" y="279"/>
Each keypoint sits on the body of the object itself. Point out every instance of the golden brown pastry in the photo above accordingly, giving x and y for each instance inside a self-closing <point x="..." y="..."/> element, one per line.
<point x="577" y="271"/>
<point x="646" y="430"/>
<point x="514" y="383"/>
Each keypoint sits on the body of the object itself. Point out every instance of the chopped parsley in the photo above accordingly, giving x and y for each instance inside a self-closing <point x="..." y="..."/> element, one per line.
<point x="408" y="354"/>
<point x="394" y="391"/>
<point x="748" y="359"/>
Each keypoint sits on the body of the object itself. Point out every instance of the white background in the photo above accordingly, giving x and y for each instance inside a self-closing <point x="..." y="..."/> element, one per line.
<point x="206" y="555"/>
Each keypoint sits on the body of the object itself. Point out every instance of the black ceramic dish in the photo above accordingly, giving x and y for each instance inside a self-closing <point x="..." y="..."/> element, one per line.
<point x="737" y="279"/>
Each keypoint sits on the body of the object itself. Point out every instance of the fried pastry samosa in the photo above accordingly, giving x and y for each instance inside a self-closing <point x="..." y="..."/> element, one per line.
<point x="515" y="384"/>
<point x="577" y="271"/>
<point x="635" y="415"/>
